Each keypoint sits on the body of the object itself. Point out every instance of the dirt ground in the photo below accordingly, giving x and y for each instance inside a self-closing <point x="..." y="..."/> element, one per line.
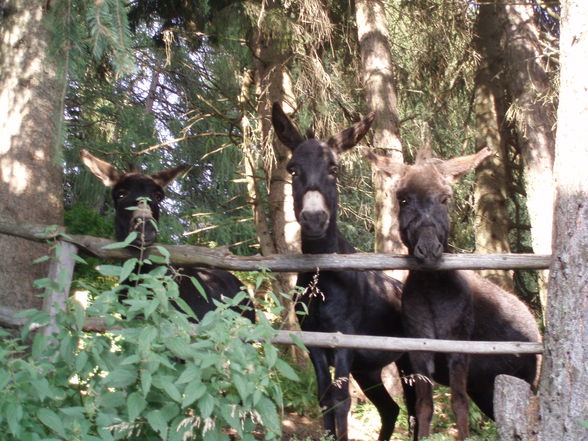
<point x="302" y="428"/>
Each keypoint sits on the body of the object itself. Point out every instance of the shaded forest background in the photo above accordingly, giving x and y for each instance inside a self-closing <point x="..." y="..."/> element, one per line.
<point x="158" y="83"/>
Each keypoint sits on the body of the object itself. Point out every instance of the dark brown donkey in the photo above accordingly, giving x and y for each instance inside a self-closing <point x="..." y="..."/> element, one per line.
<point x="145" y="192"/>
<point x="453" y="305"/>
<point x="350" y="302"/>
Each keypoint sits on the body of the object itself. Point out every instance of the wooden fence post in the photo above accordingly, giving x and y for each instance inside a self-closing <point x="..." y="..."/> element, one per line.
<point x="61" y="272"/>
<point x="514" y="412"/>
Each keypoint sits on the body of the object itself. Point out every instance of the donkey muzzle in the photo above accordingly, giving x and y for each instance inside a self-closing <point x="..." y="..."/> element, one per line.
<point x="428" y="250"/>
<point x="315" y="215"/>
<point x="144" y="224"/>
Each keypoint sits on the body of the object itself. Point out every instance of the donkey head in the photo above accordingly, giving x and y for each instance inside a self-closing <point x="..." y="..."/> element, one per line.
<point x="133" y="189"/>
<point x="314" y="166"/>
<point x="423" y="193"/>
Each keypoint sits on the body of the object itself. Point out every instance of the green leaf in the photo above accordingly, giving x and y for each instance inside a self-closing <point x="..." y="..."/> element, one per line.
<point x="171" y="390"/>
<point x="269" y="414"/>
<point x="135" y="405"/>
<point x="199" y="287"/>
<point x="164" y="252"/>
<point x="185" y="308"/>
<point x="286" y="370"/>
<point x="158" y="259"/>
<point x="125" y="243"/>
<point x="158" y="423"/>
<point x="179" y="346"/>
<point x="206" y="405"/>
<point x="146" y="380"/>
<point x="121" y="377"/>
<point x="41" y="259"/>
<point x="52" y="420"/>
<point x="241" y="386"/>
<point x="109" y="270"/>
<point x="79" y="259"/>
<point x="191" y="373"/>
<point x="127" y="269"/>
<point x="193" y="392"/>
<point x="14" y="415"/>
<point x="81" y="361"/>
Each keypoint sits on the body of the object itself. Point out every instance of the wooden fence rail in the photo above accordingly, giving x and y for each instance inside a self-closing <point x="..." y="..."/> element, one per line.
<point x="187" y="255"/>
<point x="184" y="255"/>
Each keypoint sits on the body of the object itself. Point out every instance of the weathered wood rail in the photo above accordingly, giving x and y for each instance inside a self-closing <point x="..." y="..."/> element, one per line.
<point x="222" y="258"/>
<point x="183" y="255"/>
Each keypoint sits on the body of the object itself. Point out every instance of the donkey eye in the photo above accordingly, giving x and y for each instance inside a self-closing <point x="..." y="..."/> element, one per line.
<point x="293" y="171"/>
<point x="120" y="194"/>
<point x="333" y="170"/>
<point x="444" y="199"/>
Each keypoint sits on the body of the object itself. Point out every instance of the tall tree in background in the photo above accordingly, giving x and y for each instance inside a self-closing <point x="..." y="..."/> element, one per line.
<point x="377" y="73"/>
<point x="492" y="222"/>
<point x="32" y="89"/>
<point x="563" y="390"/>
<point x="273" y="83"/>
<point x="533" y="108"/>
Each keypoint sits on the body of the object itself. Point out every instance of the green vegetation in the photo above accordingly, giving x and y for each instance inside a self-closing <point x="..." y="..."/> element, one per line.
<point x="146" y="378"/>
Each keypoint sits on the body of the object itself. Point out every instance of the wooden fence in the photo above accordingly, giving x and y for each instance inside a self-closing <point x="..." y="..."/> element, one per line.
<point x="184" y="255"/>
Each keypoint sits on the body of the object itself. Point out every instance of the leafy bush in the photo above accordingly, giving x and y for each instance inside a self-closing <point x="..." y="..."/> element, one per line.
<point x="148" y="377"/>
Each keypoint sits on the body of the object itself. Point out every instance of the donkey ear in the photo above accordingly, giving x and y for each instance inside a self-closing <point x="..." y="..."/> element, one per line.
<point x="164" y="177"/>
<point x="103" y="170"/>
<point x="285" y="130"/>
<point x="384" y="164"/>
<point x="349" y="137"/>
<point x="455" y="168"/>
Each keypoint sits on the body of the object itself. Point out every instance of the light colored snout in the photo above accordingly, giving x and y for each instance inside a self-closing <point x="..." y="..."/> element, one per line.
<point x="315" y="214"/>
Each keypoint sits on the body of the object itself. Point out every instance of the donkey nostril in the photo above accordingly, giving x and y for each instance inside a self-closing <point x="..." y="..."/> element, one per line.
<point x="314" y="220"/>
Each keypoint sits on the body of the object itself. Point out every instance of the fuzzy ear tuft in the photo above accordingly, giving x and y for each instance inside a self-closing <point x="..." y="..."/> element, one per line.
<point x="103" y="170"/>
<point x="164" y="177"/>
<point x="384" y="164"/>
<point x="455" y="168"/>
<point x="348" y="138"/>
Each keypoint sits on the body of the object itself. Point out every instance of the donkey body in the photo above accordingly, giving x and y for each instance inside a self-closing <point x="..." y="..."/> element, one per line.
<point x="454" y="305"/>
<point x="350" y="302"/>
<point x="145" y="193"/>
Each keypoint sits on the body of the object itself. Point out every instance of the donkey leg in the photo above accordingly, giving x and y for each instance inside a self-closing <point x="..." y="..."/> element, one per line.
<point x="320" y="362"/>
<point x="422" y="364"/>
<point x="373" y="388"/>
<point x="340" y="391"/>
<point x="405" y="370"/>
<point x="458" y="374"/>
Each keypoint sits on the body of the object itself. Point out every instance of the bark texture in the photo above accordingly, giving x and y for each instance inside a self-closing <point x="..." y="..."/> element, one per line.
<point x="563" y="389"/>
<point x="534" y="114"/>
<point x="378" y="79"/>
<point x="273" y="84"/>
<point x="491" y="189"/>
<point x="30" y="169"/>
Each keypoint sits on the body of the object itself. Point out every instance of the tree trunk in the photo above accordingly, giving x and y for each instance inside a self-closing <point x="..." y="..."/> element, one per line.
<point x="251" y="162"/>
<point x="378" y="80"/>
<point x="31" y="104"/>
<point x="273" y="84"/>
<point x="534" y="113"/>
<point x="563" y="390"/>
<point x="491" y="190"/>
